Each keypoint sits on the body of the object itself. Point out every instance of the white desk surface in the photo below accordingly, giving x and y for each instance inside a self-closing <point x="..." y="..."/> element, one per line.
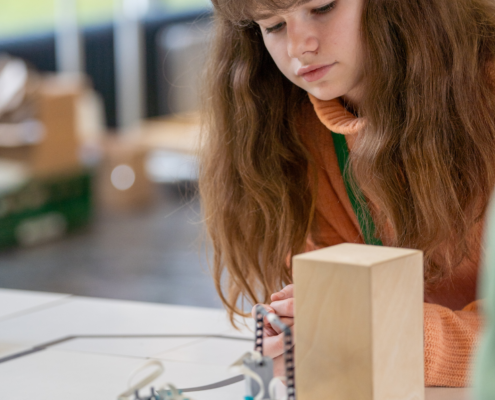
<point x="54" y="375"/>
<point x="17" y="302"/>
<point x="98" y="368"/>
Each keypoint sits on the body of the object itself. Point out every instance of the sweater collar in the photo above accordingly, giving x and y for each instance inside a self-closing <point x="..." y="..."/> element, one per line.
<point x="335" y="117"/>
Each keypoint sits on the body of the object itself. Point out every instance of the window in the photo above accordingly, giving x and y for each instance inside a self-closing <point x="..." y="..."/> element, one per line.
<point x="18" y="17"/>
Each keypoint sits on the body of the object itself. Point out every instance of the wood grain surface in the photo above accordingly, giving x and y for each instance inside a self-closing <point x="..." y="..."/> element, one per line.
<point x="359" y="331"/>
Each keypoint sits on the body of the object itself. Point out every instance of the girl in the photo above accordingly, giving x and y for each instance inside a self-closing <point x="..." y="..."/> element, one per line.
<point x="364" y="121"/>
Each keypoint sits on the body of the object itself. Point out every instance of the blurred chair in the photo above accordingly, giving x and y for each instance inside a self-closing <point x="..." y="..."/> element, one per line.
<point x="182" y="54"/>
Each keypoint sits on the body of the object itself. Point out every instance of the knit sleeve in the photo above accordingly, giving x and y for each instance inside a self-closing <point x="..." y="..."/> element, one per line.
<point x="450" y="338"/>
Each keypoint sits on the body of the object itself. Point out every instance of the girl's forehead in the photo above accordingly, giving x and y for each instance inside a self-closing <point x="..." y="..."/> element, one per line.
<point x="252" y="10"/>
<point x="266" y="8"/>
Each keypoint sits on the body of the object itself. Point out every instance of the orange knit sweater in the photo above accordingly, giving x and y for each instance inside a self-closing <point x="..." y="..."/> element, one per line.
<point x="451" y="319"/>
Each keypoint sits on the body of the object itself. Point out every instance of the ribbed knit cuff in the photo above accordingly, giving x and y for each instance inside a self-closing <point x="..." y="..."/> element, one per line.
<point x="450" y="338"/>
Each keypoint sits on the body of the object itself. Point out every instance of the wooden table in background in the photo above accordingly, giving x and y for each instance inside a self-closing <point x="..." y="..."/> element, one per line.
<point x="178" y="133"/>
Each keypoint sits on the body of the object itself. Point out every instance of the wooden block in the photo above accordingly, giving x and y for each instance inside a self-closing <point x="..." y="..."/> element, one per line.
<point x="359" y="330"/>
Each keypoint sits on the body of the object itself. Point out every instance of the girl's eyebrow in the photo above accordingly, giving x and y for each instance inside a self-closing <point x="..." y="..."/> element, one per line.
<point x="262" y="17"/>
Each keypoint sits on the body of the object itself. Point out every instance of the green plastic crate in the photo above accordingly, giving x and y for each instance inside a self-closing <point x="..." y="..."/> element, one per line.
<point x="45" y="209"/>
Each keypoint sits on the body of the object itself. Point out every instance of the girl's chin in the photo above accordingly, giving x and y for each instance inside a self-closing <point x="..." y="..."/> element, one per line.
<point x="323" y="95"/>
<point x="326" y="91"/>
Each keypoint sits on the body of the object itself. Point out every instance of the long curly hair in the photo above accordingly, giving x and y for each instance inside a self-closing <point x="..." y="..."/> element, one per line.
<point x="426" y="160"/>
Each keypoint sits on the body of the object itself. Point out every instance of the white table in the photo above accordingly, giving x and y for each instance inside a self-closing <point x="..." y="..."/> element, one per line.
<point x="119" y="339"/>
<point x="16" y="302"/>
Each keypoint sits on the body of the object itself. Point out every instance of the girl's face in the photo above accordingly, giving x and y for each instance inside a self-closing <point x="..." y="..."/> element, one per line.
<point x="317" y="46"/>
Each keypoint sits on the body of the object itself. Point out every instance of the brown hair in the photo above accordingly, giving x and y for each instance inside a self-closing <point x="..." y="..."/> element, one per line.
<point x="430" y="115"/>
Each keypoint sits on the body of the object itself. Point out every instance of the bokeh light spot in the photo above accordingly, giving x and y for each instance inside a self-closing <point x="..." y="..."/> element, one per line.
<point x="123" y="177"/>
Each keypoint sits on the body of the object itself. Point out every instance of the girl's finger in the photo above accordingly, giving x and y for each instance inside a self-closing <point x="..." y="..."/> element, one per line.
<point x="279" y="366"/>
<point x="287" y="321"/>
<point x="273" y="330"/>
<point x="285" y="293"/>
<point x="265" y="306"/>
<point x="268" y="330"/>
<point x="284" y="308"/>
<point x="274" y="346"/>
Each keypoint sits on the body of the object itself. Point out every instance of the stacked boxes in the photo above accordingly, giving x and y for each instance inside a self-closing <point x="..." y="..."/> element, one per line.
<point x="57" y="198"/>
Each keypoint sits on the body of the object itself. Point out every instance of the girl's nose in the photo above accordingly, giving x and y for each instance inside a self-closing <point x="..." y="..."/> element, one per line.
<point x="301" y="40"/>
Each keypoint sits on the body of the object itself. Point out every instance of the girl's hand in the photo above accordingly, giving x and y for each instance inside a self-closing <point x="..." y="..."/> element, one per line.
<point x="273" y="340"/>
<point x="283" y="303"/>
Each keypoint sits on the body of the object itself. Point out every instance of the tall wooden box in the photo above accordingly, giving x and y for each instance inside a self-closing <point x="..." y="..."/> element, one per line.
<point x="359" y="323"/>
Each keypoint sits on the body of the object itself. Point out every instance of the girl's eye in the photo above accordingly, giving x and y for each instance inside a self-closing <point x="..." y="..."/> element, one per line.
<point x="324" y="9"/>
<point x="321" y="10"/>
<point x="274" y="28"/>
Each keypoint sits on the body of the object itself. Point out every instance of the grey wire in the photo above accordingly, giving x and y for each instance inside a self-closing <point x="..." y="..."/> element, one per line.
<point x="216" y="385"/>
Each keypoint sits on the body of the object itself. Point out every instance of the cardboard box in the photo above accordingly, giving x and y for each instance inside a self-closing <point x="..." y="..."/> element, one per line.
<point x="58" y="151"/>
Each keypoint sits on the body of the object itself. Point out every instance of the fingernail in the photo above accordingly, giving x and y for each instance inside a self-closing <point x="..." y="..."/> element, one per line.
<point x="278" y="296"/>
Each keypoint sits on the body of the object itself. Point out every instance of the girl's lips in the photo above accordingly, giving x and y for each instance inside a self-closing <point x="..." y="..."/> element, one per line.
<point x="317" y="73"/>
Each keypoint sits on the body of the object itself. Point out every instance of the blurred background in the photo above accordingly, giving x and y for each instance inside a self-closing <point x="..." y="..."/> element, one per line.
<point x="98" y="141"/>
